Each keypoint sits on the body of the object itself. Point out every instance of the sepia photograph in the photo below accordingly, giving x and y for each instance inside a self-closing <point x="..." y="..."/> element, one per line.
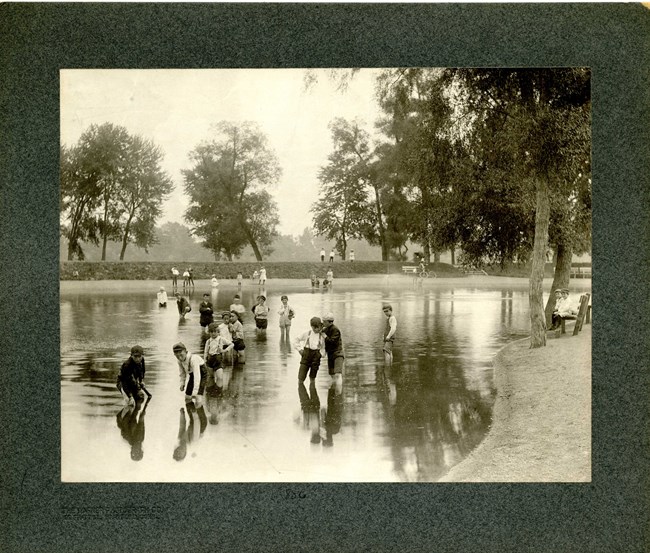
<point x="325" y="275"/>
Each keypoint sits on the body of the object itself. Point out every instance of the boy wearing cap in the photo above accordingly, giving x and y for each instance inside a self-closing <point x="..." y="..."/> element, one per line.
<point x="191" y="371"/>
<point x="261" y="313"/>
<point x="237" y="306"/>
<point x="556" y="320"/>
<point x="311" y="346"/>
<point x="333" y="348"/>
<point x="389" y="333"/>
<point x="129" y="381"/>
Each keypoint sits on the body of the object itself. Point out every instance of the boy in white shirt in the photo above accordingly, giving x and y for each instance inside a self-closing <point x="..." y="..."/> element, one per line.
<point x="311" y="346"/>
<point x="191" y="371"/>
<point x="162" y="297"/>
<point x="215" y="347"/>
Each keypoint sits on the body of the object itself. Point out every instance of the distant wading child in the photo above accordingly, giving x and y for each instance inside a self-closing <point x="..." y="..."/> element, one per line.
<point x="237" y="331"/>
<point x="238" y="307"/>
<point x="130" y="380"/>
<point x="311" y="346"/>
<point x="215" y="347"/>
<point x="389" y="333"/>
<point x="286" y="313"/>
<point x="162" y="297"/>
<point x="191" y="371"/>
<point x="261" y="314"/>
<point x="205" y="309"/>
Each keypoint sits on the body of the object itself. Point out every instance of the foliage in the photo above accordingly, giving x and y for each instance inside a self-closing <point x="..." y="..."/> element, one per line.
<point x="229" y="203"/>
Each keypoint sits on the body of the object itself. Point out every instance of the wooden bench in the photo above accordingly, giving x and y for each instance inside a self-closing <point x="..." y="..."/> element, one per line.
<point x="580" y="272"/>
<point x="580" y="317"/>
<point x="474" y="271"/>
<point x="410" y="269"/>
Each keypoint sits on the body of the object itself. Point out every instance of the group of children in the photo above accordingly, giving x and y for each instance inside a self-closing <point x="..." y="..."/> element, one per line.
<point x="188" y="277"/>
<point x="564" y="308"/>
<point x="225" y="344"/>
<point x="327" y="281"/>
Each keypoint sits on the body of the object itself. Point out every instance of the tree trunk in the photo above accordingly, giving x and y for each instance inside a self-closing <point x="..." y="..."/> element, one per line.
<point x="453" y="256"/>
<point x="251" y="239"/>
<point x="535" y="297"/>
<point x="105" y="227"/>
<point x="125" y="238"/>
<point x="70" y="250"/>
<point x="436" y="257"/>
<point x="563" y="256"/>
<point x="427" y="253"/>
<point x="380" y="223"/>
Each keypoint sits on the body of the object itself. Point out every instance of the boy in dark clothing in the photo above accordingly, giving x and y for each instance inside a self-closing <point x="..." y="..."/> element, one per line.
<point x="183" y="306"/>
<point x="333" y="348"/>
<point x="129" y="381"/>
<point x="206" y="311"/>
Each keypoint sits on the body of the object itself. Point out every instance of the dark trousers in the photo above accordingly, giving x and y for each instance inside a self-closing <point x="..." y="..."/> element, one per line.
<point x="310" y="361"/>
<point x="190" y="382"/>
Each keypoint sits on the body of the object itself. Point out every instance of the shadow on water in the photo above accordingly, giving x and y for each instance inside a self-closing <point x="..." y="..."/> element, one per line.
<point x="411" y="420"/>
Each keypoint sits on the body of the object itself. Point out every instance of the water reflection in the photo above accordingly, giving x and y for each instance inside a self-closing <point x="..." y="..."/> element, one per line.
<point x="130" y="421"/>
<point x="411" y="420"/>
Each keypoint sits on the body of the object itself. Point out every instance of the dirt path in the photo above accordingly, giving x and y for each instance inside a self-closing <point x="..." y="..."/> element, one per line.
<point x="542" y="416"/>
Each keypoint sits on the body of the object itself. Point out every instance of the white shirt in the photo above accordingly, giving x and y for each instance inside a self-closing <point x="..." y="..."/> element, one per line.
<point x="191" y="365"/>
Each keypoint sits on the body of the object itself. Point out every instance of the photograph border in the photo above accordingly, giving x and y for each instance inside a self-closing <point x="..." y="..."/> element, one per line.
<point x="40" y="513"/>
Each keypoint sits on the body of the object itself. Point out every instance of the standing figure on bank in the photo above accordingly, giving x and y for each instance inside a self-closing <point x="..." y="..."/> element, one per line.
<point x="255" y="276"/>
<point x="191" y="371"/>
<point x="351" y="255"/>
<point x="262" y="281"/>
<point x="261" y="313"/>
<point x="331" y="256"/>
<point x="286" y="313"/>
<point x="206" y="311"/>
<point x="334" y="350"/>
<point x="330" y="276"/>
<point x="389" y="333"/>
<point x="186" y="278"/>
<point x="191" y="277"/>
<point x="311" y="346"/>
<point x="214" y="282"/>
<point x="162" y="297"/>
<point x="175" y="274"/>
<point x="130" y="380"/>
<point x="322" y="255"/>
<point x="240" y="278"/>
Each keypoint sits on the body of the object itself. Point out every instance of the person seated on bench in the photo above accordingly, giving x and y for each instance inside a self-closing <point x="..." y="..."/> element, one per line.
<point x="556" y="320"/>
<point x="567" y="309"/>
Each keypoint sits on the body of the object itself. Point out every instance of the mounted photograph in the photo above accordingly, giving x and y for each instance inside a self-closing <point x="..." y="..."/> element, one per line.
<point x="325" y="275"/>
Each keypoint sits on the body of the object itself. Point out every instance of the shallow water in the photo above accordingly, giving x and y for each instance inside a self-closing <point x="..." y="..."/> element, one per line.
<point x="409" y="422"/>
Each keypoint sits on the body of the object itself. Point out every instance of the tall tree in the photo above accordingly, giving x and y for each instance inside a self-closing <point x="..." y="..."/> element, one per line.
<point x="80" y="195"/>
<point x="143" y="189"/>
<point x="227" y="185"/>
<point x="342" y="211"/>
<point x="535" y="118"/>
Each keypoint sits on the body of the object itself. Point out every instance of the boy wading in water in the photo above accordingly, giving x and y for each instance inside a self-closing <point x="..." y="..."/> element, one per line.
<point x="286" y="313"/>
<point x="215" y="348"/>
<point x="261" y="314"/>
<point x="311" y="346"/>
<point x="334" y="350"/>
<point x="237" y="331"/>
<point x="130" y="380"/>
<point x="192" y="372"/>
<point x="389" y="333"/>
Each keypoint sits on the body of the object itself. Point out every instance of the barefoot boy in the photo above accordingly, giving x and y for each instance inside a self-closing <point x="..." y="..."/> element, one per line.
<point x="311" y="346"/>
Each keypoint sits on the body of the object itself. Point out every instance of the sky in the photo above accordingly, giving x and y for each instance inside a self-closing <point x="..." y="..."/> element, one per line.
<point x="176" y="109"/>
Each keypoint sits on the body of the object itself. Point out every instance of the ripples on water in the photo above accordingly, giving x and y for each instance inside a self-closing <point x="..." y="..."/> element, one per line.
<point x="409" y="422"/>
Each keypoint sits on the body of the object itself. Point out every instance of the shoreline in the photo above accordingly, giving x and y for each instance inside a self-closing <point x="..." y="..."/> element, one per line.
<point x="541" y="430"/>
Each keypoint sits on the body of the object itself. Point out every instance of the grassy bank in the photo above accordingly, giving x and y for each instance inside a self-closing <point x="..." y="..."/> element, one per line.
<point x="127" y="270"/>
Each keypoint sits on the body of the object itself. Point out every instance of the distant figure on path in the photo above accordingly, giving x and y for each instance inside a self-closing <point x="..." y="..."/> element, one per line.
<point x="205" y="308"/>
<point x="186" y="278"/>
<point x="240" y="278"/>
<point x="183" y="305"/>
<point x="130" y="379"/>
<point x="389" y="333"/>
<point x="162" y="297"/>
<point x="322" y="255"/>
<point x="214" y="282"/>
<point x="191" y="371"/>
<point x="331" y="256"/>
<point x="191" y="277"/>
<point x="351" y="255"/>
<point x="311" y="346"/>
<point x="334" y="349"/>
<point x="262" y="276"/>
<point x="175" y="274"/>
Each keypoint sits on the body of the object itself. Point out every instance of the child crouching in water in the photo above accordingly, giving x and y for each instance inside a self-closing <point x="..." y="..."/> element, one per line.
<point x="311" y="346"/>
<point x="215" y="347"/>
